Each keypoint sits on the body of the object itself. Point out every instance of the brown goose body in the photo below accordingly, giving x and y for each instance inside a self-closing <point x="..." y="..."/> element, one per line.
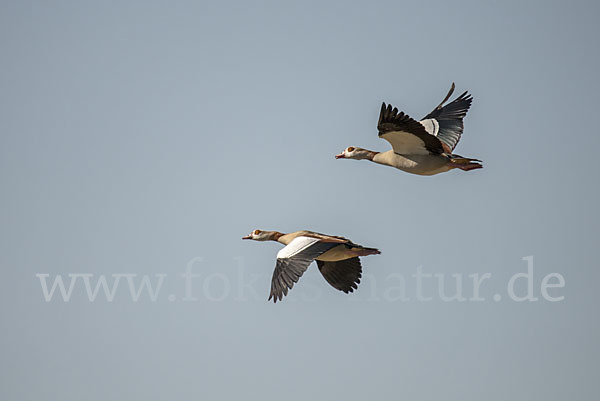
<point x="421" y="147"/>
<point x="345" y="250"/>
<point x="337" y="259"/>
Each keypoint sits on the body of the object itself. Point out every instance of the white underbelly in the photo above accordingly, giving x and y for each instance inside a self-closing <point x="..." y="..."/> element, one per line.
<point x="428" y="170"/>
<point x="414" y="164"/>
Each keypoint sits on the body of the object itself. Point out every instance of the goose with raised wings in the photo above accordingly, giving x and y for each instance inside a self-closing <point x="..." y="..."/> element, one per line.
<point x="337" y="259"/>
<point x="421" y="147"/>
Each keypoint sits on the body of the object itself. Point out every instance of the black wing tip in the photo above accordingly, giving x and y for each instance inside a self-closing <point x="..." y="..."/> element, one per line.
<point x="465" y="96"/>
<point x="387" y="107"/>
<point x="353" y="286"/>
<point x="275" y="298"/>
<point x="382" y="112"/>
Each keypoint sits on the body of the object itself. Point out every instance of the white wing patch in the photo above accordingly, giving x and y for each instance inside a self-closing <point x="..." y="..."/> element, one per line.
<point x="297" y="245"/>
<point x="431" y="125"/>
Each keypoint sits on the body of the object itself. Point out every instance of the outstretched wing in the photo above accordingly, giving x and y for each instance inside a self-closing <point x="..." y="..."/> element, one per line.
<point x="406" y="135"/>
<point x="446" y="122"/>
<point x="343" y="275"/>
<point x="292" y="262"/>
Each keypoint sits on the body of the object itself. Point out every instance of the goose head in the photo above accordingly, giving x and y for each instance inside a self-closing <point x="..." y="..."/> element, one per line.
<point x="260" y="235"/>
<point x="352" y="152"/>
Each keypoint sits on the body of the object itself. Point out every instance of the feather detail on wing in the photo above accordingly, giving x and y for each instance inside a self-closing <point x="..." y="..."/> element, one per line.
<point x="343" y="275"/>
<point x="406" y="135"/>
<point x="449" y="119"/>
<point x="292" y="262"/>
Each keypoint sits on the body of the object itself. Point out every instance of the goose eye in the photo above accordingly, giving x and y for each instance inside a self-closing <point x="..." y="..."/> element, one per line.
<point x="256" y="232"/>
<point x="350" y="149"/>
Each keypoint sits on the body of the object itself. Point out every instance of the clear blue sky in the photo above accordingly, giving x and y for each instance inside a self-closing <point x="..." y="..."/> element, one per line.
<point x="136" y="136"/>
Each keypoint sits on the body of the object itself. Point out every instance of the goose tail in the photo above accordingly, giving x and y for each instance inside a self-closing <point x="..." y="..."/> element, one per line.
<point x="465" y="163"/>
<point x="362" y="251"/>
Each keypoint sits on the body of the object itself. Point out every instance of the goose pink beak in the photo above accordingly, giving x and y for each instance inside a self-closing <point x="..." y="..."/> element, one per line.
<point x="247" y="237"/>
<point x="340" y="156"/>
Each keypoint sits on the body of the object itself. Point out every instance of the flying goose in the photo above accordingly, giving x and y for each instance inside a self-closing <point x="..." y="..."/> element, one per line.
<point x="421" y="147"/>
<point x="337" y="259"/>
